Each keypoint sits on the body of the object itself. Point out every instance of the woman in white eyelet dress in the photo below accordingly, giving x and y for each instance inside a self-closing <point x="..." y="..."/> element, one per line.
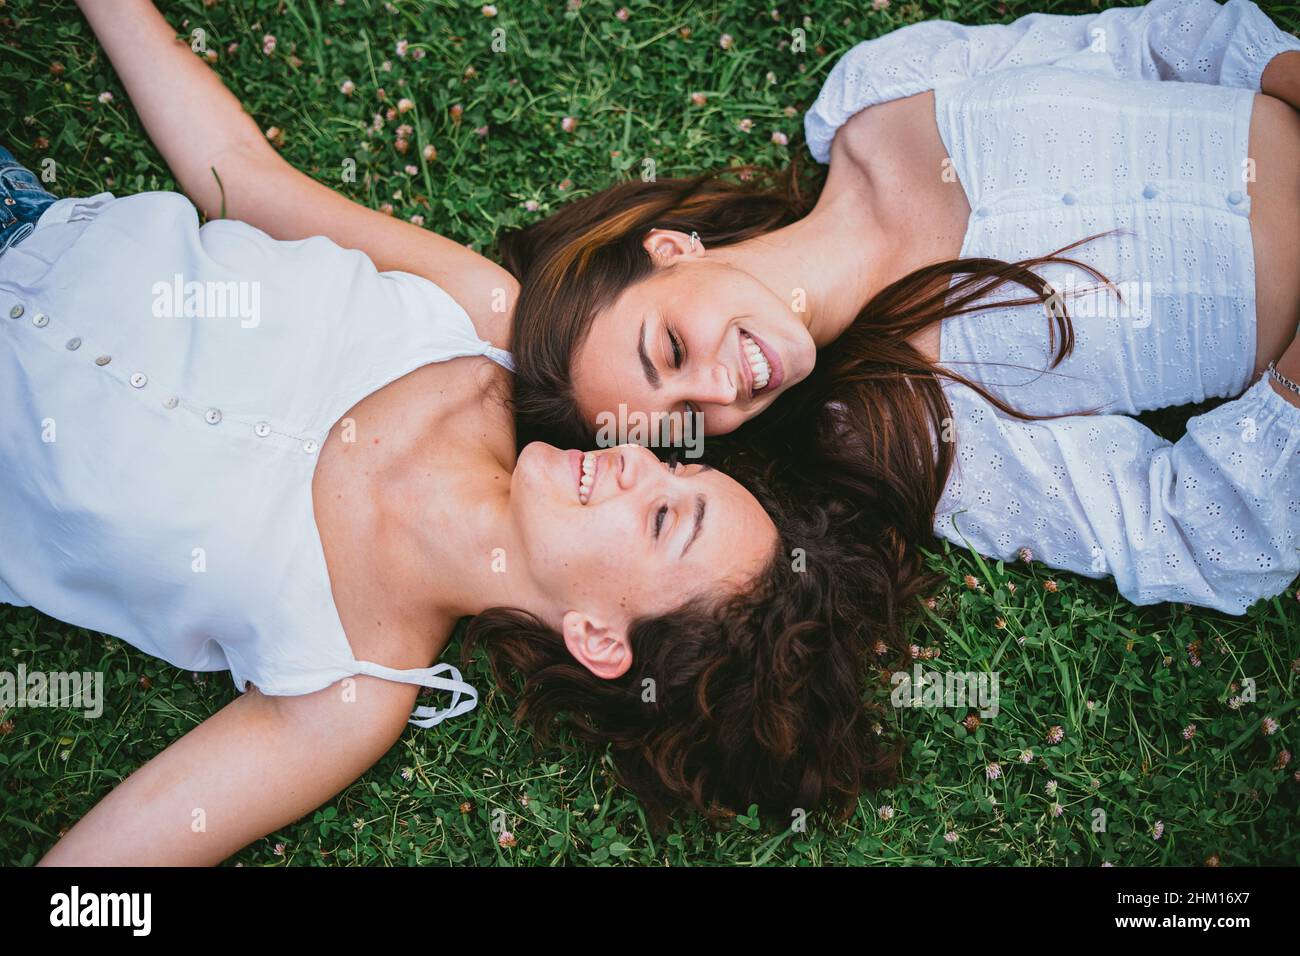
<point x="1060" y="128"/>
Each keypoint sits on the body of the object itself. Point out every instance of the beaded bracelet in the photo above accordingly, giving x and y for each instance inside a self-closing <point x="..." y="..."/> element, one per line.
<point x="1282" y="379"/>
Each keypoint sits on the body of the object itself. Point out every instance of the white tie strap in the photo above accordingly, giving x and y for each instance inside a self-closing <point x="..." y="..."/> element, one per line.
<point x="464" y="698"/>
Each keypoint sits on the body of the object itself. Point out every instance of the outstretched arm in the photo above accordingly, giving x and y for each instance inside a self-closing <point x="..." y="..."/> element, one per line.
<point x="170" y="87"/>
<point x="256" y="765"/>
<point x="1195" y="41"/>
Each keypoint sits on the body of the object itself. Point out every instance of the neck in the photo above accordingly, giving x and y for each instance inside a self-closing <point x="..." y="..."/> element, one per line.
<point x="457" y="543"/>
<point x="831" y="261"/>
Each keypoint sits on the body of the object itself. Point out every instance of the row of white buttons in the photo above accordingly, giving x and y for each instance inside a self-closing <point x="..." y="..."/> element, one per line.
<point x="139" y="380"/>
<point x="1235" y="198"/>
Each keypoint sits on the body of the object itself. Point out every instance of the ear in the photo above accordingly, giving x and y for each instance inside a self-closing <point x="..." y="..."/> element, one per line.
<point x="665" y="245"/>
<point x="601" y="649"/>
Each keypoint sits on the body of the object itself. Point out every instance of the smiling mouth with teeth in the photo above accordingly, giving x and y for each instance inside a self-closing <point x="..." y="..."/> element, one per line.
<point x="758" y="364"/>
<point x="588" y="476"/>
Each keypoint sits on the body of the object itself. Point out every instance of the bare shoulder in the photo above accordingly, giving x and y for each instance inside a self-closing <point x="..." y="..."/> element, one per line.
<point x="898" y="159"/>
<point x="882" y="136"/>
<point x="486" y="291"/>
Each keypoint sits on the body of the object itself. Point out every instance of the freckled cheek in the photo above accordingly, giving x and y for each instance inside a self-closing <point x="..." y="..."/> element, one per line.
<point x="608" y="578"/>
<point x="714" y="315"/>
<point x="617" y="560"/>
<point x="594" y="545"/>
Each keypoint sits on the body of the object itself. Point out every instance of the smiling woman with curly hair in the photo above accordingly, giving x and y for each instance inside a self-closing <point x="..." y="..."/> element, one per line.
<point x="764" y="699"/>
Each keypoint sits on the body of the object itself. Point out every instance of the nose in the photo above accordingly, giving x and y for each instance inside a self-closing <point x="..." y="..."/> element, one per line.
<point x="635" y="463"/>
<point x="714" y="384"/>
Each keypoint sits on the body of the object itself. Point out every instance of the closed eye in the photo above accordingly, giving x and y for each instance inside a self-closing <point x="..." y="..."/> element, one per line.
<point x="659" y="518"/>
<point x="678" y="351"/>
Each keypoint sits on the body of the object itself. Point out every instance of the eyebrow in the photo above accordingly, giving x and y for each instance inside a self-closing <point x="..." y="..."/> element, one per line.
<point x="647" y="366"/>
<point x="699" y="523"/>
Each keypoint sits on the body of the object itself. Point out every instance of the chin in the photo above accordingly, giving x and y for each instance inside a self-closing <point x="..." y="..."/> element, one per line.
<point x="535" y="450"/>
<point x="803" y="359"/>
<point x="530" y="487"/>
<point x="545" y="477"/>
<point x="532" y="466"/>
<point x="729" y="425"/>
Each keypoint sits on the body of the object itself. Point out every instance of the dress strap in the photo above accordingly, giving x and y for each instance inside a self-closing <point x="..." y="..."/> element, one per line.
<point x="500" y="356"/>
<point x="429" y="677"/>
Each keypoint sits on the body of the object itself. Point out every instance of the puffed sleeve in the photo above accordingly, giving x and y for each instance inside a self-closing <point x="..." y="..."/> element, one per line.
<point x="1188" y="40"/>
<point x="1212" y="519"/>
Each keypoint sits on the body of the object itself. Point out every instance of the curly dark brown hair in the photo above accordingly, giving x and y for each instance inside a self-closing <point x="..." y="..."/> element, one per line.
<point x="758" y="698"/>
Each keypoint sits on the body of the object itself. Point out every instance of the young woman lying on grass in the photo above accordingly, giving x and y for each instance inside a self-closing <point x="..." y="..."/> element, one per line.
<point x="913" y="339"/>
<point x="311" y="484"/>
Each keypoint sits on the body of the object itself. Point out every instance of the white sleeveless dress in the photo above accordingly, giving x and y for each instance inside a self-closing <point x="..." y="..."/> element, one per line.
<point x="1060" y="127"/>
<point x="165" y="390"/>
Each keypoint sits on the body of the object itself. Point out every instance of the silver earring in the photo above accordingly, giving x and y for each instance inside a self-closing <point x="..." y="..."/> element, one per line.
<point x="695" y="240"/>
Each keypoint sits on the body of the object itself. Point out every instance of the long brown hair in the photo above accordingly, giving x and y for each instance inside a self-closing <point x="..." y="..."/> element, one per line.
<point x="576" y="261"/>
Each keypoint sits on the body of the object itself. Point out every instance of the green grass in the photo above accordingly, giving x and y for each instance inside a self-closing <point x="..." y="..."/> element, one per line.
<point x="1119" y="680"/>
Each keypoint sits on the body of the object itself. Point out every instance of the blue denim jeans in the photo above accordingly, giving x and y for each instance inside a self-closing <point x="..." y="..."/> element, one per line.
<point x="22" y="200"/>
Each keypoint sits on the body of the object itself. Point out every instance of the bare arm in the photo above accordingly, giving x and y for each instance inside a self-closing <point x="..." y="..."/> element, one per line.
<point x="1281" y="78"/>
<point x="169" y="86"/>
<point x="256" y="765"/>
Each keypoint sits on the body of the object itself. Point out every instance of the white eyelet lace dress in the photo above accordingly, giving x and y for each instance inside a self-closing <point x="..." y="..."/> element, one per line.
<point x="1059" y="128"/>
<point x="166" y="389"/>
